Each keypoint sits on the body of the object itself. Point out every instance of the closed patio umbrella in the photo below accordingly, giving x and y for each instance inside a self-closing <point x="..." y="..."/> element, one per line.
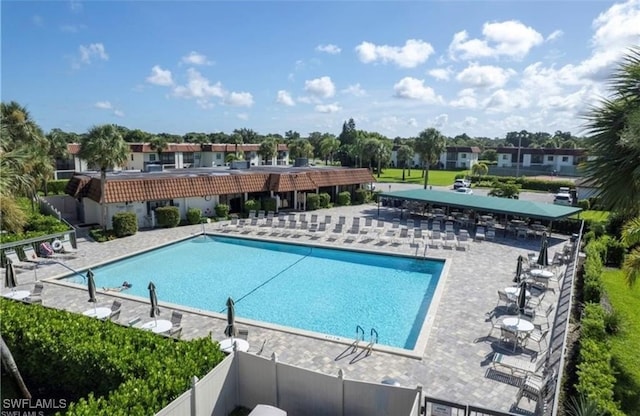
<point x="543" y="257"/>
<point x="153" y="298"/>
<point x="231" y="330"/>
<point x="10" y="276"/>
<point x="91" y="286"/>
<point x="518" y="276"/>
<point x="522" y="298"/>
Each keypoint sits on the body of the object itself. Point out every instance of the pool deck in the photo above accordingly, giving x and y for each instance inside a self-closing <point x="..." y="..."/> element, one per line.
<point x="455" y="365"/>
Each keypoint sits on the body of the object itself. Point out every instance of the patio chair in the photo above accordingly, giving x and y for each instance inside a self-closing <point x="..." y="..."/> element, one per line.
<point x="380" y="228"/>
<point x="402" y="237"/>
<point x="367" y="228"/>
<point x="115" y="311"/>
<point x="314" y="218"/>
<point x="436" y="226"/>
<point x="302" y="217"/>
<point x="480" y="234"/>
<point x="504" y="298"/>
<point x="252" y="213"/>
<point x="327" y="219"/>
<point x="541" y="319"/>
<point x="449" y="239"/>
<point x="12" y="255"/>
<point x="261" y="214"/>
<point x="410" y="223"/>
<point x="491" y="234"/>
<point x="31" y="255"/>
<point x="510" y="337"/>
<point x="67" y="248"/>
<point x="536" y="388"/>
<point x="436" y="239"/>
<point x="417" y="236"/>
<point x="448" y="227"/>
<point x="538" y="335"/>
<point x="176" y="325"/>
<point x="463" y="241"/>
<point x="517" y="365"/>
<point x="36" y="294"/>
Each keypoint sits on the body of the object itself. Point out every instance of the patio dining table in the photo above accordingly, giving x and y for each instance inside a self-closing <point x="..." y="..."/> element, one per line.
<point x="17" y="294"/>
<point x="541" y="273"/>
<point x="519" y="324"/>
<point x="100" y="312"/>
<point x="157" y="327"/>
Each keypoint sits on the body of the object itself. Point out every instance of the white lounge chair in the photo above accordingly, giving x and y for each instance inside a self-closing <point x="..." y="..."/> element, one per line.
<point x="463" y="241"/>
<point x="480" y="234"/>
<point x="436" y="239"/>
<point x="15" y="260"/>
<point x="516" y="365"/>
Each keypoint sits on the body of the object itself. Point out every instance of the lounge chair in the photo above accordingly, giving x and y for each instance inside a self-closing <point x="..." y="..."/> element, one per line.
<point x="463" y="241"/>
<point x="418" y="238"/>
<point x="436" y="239"/>
<point x="15" y="260"/>
<point x="67" y="248"/>
<point x="449" y="239"/>
<point x="536" y="388"/>
<point x="516" y="365"/>
<point x="31" y="255"/>
<point x="480" y="234"/>
<point x="176" y="325"/>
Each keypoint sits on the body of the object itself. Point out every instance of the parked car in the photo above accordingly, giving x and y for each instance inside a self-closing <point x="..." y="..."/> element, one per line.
<point x="563" y="198"/>
<point x="467" y="191"/>
<point x="461" y="183"/>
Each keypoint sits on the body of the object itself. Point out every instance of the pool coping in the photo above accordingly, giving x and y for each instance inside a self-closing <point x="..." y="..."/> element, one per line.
<point x="418" y="352"/>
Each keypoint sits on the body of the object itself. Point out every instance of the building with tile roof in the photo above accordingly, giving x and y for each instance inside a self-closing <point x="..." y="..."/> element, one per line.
<point x="204" y="188"/>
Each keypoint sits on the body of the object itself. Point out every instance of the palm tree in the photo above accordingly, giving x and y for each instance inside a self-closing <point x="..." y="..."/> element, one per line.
<point x="159" y="144"/>
<point x="614" y="139"/>
<point x="103" y="147"/>
<point x="328" y="146"/>
<point x="10" y="365"/>
<point x="631" y="238"/>
<point x="479" y="169"/>
<point x="404" y="155"/>
<point x="268" y="149"/>
<point x="429" y="145"/>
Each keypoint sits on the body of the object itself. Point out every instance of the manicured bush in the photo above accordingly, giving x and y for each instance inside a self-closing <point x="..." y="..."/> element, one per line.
<point x="313" y="201"/>
<point x="325" y="200"/>
<point x="251" y="205"/>
<point x="124" y="224"/>
<point x="222" y="210"/>
<point x="593" y="322"/>
<point x="168" y="216"/>
<point x="344" y="198"/>
<point x="57" y="187"/>
<point x="362" y="196"/>
<point x="194" y="215"/>
<point x="269" y="204"/>
<point x="615" y="251"/>
<point x="106" y="369"/>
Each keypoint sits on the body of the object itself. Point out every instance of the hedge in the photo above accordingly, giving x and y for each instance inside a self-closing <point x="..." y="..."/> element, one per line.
<point x="194" y="215"/>
<point x="251" y="205"/>
<point x="168" y="216"/>
<point x="344" y="198"/>
<point x="325" y="200"/>
<point x="106" y="369"/>
<point x="362" y="196"/>
<point x="313" y="201"/>
<point x="124" y="224"/>
<point x="222" y="210"/>
<point x="57" y="187"/>
<point x="526" y="183"/>
<point x="269" y="204"/>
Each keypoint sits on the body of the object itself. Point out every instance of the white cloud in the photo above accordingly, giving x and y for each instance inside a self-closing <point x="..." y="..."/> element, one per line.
<point x="330" y="49"/>
<point x="556" y="34"/>
<point x="320" y="87"/>
<point x="103" y="105"/>
<point x="504" y="101"/>
<point x="93" y="51"/>
<point x="618" y="27"/>
<point x="285" y="98"/>
<point x="118" y="113"/>
<point x="198" y="87"/>
<point x="412" y="122"/>
<point x="415" y="89"/>
<point x="441" y="121"/>
<point x="195" y="58"/>
<point x="240" y="99"/>
<point x="413" y="53"/>
<point x="441" y="74"/>
<point x="466" y="99"/>
<point x="469" y="121"/>
<point x="510" y="38"/>
<point x="355" y="90"/>
<point x="160" y="76"/>
<point x="328" y="108"/>
<point x="484" y="76"/>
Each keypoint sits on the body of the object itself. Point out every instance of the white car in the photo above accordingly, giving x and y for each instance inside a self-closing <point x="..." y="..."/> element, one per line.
<point x="563" y="199"/>
<point x="467" y="191"/>
<point x="461" y="183"/>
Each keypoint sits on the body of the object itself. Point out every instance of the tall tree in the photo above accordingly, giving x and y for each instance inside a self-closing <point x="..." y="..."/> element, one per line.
<point x="429" y="145"/>
<point x="159" y="144"/>
<point x="329" y="145"/>
<point x="614" y="139"/>
<point x="404" y="156"/>
<point x="631" y="238"/>
<point x="12" y="368"/>
<point x="104" y="148"/>
<point x="268" y="150"/>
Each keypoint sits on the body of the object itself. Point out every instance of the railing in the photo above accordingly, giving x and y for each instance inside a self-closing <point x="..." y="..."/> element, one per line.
<point x="434" y="406"/>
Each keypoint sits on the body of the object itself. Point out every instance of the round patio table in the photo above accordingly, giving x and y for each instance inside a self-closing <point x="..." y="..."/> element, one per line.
<point x="545" y="274"/>
<point x="513" y="292"/>
<point x="99" y="313"/>
<point x="226" y="345"/>
<point x="519" y="324"/>
<point x="17" y="294"/>
<point x="158" y="327"/>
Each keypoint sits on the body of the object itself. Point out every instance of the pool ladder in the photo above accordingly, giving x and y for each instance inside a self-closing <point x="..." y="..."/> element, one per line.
<point x="359" y="337"/>
<point x="372" y="340"/>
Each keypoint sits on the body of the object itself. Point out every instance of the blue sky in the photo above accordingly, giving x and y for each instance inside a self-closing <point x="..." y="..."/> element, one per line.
<point x="480" y="67"/>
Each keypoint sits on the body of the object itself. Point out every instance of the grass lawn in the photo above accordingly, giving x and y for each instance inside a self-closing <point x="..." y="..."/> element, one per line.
<point x="597" y="216"/>
<point x="436" y="177"/>
<point x="625" y="346"/>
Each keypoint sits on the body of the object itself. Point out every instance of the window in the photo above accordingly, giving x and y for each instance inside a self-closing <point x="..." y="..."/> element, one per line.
<point x="187" y="157"/>
<point x="168" y="158"/>
<point x="565" y="158"/>
<point x="152" y="157"/>
<point x="549" y="158"/>
<point x="463" y="155"/>
<point x="505" y="157"/>
<point x="218" y="156"/>
<point x="536" y="158"/>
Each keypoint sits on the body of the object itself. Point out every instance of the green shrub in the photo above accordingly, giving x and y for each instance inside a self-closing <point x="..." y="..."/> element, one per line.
<point x="595" y="375"/>
<point x="584" y="204"/>
<point x="194" y="215"/>
<point x="251" y="205"/>
<point x="57" y="187"/>
<point x="100" y="236"/>
<point x="269" y="204"/>
<point x="344" y="198"/>
<point x="168" y="217"/>
<point x="615" y="252"/>
<point x="615" y="222"/>
<point x="613" y="322"/>
<point x="124" y="224"/>
<point x="325" y="200"/>
<point x="106" y="369"/>
<point x="313" y="201"/>
<point x="593" y="322"/>
<point x="362" y="196"/>
<point x="222" y="210"/>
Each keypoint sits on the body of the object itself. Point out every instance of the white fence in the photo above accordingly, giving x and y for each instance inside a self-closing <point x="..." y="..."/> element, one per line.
<point x="247" y="380"/>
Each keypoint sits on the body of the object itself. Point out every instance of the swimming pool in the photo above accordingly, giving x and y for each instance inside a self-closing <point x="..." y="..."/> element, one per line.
<point x="323" y="290"/>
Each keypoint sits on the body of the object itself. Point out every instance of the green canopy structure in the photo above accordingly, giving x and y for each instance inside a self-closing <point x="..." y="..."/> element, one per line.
<point x="515" y="207"/>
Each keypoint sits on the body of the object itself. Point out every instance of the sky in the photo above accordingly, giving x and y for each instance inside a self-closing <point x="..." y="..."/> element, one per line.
<point x="483" y="68"/>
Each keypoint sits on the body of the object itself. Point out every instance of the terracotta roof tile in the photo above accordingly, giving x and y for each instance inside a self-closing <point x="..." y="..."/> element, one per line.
<point x="333" y="177"/>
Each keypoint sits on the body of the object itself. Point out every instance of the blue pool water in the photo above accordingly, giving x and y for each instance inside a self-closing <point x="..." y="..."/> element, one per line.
<point x="322" y="290"/>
